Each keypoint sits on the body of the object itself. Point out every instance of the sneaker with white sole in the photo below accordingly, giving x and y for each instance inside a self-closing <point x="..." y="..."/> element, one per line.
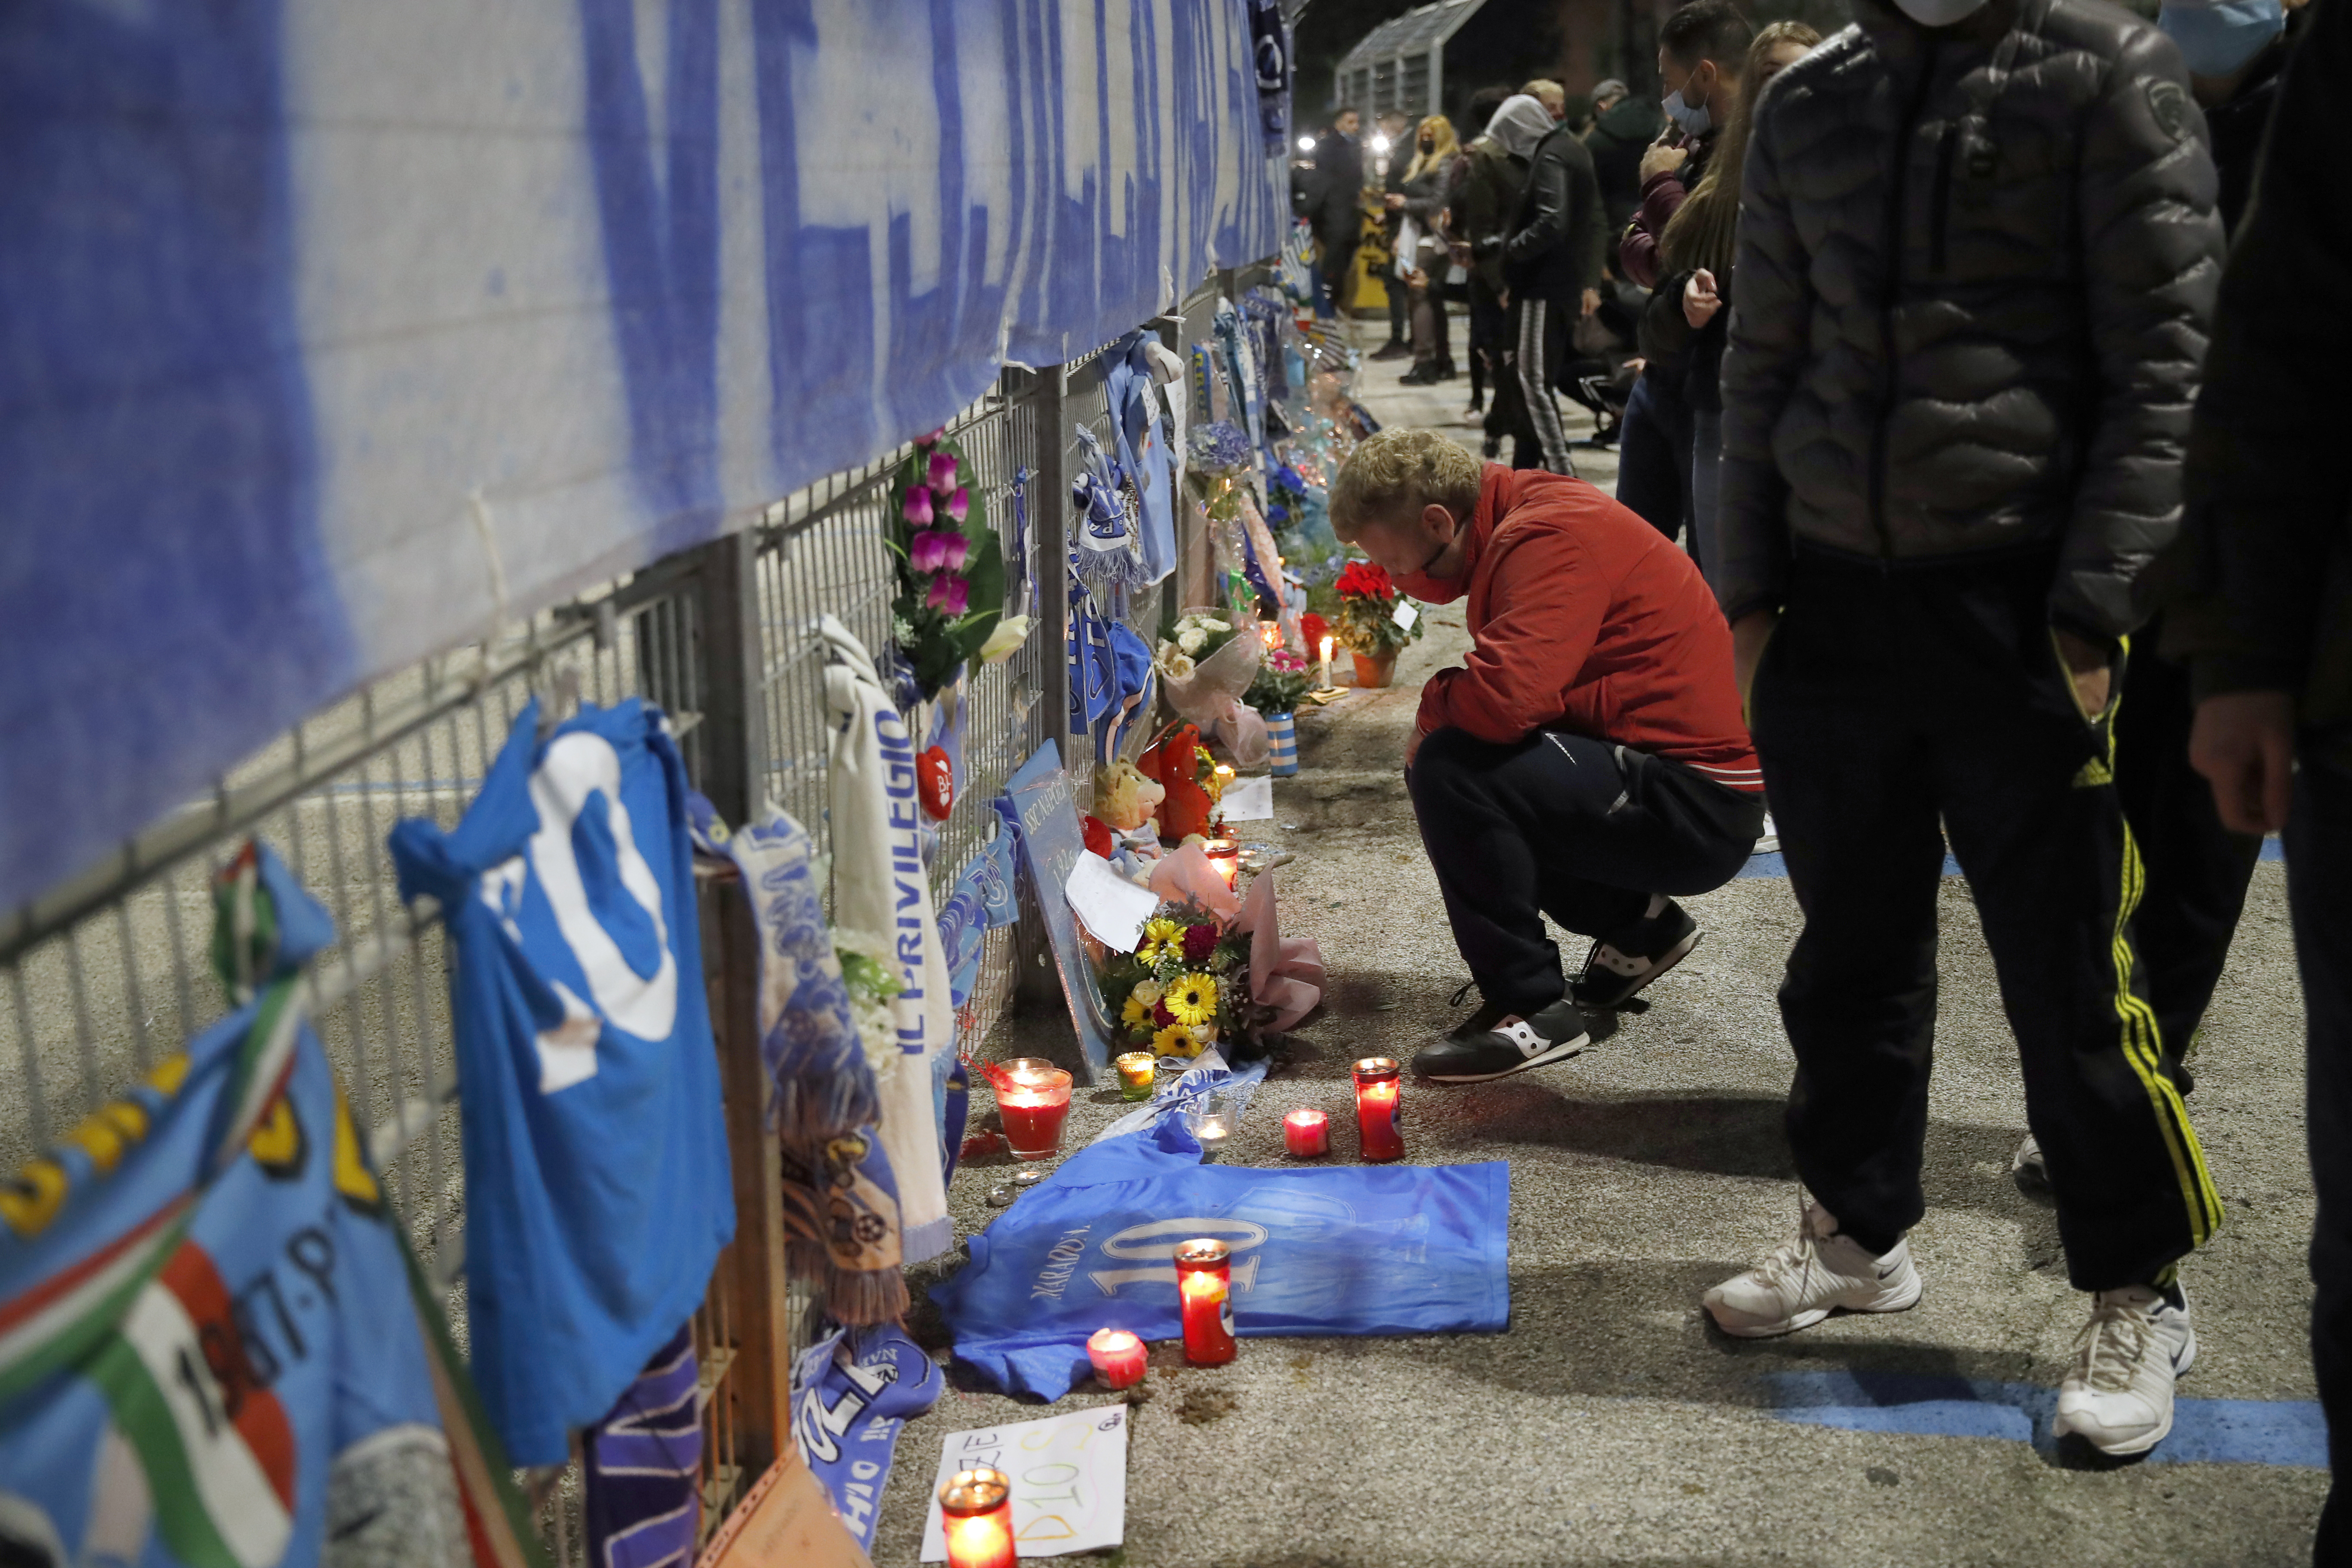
<point x="1629" y="960"/>
<point x="1823" y="1271"/>
<point x="1515" y="1044"/>
<point x="1768" y="841"/>
<point x="2029" y="1170"/>
<point x="2118" y="1398"/>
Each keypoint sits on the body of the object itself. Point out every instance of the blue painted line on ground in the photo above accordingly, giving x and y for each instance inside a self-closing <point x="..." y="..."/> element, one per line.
<point x="1771" y="864"/>
<point x="2286" y="1432"/>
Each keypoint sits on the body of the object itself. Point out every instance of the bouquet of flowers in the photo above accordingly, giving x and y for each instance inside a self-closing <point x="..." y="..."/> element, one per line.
<point x="1281" y="685"/>
<point x="950" y="568"/>
<point x="1198" y="636"/>
<point x="1186" y="987"/>
<point x="1367" y="620"/>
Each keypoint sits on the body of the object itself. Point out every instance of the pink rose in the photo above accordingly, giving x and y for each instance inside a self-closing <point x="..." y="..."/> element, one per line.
<point x="943" y="471"/>
<point x="954" y="549"/>
<point x="959" y="505"/>
<point x="927" y="551"/>
<point x="917" y="510"/>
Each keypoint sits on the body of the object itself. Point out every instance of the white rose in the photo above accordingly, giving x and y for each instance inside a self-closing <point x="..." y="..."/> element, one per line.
<point x="1216" y="626"/>
<point x="1205" y="1034"/>
<point x="1177" y="667"/>
<point x="1191" y="640"/>
<point x="1148" y="992"/>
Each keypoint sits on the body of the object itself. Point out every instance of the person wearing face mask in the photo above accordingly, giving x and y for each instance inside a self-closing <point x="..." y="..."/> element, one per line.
<point x="1493" y="173"/>
<point x="1421" y="198"/>
<point x="1977" y="261"/>
<point x="1701" y="51"/>
<point x="1553" y="262"/>
<point x="2236" y="51"/>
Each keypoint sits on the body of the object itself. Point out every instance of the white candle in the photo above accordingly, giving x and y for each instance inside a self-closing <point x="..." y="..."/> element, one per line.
<point x="1327" y="661"/>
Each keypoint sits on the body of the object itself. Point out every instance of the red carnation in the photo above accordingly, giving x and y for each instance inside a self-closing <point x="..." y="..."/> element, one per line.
<point x="1199" y="942"/>
<point x="1161" y="1015"/>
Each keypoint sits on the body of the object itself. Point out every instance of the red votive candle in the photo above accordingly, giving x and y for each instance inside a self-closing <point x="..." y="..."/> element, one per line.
<point x="1117" y="1356"/>
<point x="1204" y="1287"/>
<point x="1379" y="1083"/>
<point x="1306" y="1133"/>
<point x="1033" y="1101"/>
<point x="976" y="1510"/>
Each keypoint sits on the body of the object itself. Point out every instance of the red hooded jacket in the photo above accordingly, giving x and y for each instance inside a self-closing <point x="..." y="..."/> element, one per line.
<point x="1587" y="619"/>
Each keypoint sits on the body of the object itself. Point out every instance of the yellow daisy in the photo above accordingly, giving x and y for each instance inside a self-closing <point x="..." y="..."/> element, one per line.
<point x="1156" y="935"/>
<point x="1194" y="999"/>
<point x="1136" y="1013"/>
<point x="1175" y="1040"/>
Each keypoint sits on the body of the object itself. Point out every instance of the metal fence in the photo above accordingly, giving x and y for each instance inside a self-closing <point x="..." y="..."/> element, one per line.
<point x="103" y="977"/>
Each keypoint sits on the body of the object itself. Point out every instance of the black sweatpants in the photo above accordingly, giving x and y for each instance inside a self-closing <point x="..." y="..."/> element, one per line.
<point x="1582" y="830"/>
<point x="2197" y="869"/>
<point x="2319" y="892"/>
<point x="1508" y="413"/>
<point x="1885" y="699"/>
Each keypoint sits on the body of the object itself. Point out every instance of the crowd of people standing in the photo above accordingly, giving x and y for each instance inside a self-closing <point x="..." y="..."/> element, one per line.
<point x="1982" y="356"/>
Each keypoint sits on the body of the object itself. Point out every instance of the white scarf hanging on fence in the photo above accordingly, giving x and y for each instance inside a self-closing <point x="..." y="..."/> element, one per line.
<point x="881" y="889"/>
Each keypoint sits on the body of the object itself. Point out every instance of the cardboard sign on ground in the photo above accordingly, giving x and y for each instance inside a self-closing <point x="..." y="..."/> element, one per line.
<point x="786" y="1521"/>
<point x="1068" y="1475"/>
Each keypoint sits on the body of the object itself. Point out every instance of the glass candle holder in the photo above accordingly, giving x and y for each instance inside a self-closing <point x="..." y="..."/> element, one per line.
<point x="1137" y="1069"/>
<point x="1306" y="1133"/>
<point x="976" y="1512"/>
<point x="1379" y="1085"/>
<point x="1033" y="1103"/>
<point x="1204" y="1291"/>
<point x="1212" y="1120"/>
<point x="1117" y="1356"/>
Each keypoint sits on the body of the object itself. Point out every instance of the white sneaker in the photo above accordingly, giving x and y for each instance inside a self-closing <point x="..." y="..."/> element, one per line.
<point x="1769" y="841"/>
<point x="1821" y="1272"/>
<point x="2029" y="1166"/>
<point x="2118" y="1398"/>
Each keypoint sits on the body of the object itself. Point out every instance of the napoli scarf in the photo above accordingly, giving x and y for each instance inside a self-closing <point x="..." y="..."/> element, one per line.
<point x="840" y="1196"/>
<point x="853" y="1391"/>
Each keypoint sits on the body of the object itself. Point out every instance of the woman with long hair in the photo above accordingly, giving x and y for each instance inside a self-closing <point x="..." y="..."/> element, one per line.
<point x="1424" y="272"/>
<point x="1687" y="311"/>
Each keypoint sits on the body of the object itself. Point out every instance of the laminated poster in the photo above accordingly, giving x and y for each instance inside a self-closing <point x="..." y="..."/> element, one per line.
<point x="1050" y="843"/>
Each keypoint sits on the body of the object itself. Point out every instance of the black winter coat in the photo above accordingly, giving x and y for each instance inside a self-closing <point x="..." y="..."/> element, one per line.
<point x="1617" y="141"/>
<point x="2270" y="494"/>
<point x="1976" y="270"/>
<point x="1559" y="234"/>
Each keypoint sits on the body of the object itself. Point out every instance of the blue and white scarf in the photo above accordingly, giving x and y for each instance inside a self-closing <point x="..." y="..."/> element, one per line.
<point x="853" y="1391"/>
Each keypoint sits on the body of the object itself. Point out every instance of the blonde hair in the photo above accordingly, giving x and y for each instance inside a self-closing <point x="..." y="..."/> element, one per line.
<point x="1704" y="231"/>
<point x="1441" y="151"/>
<point x="1395" y="474"/>
<point x="1548" y="93"/>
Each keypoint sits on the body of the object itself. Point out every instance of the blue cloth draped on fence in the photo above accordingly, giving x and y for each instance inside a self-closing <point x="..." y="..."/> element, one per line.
<point x="337" y="337"/>
<point x="1394" y="1249"/>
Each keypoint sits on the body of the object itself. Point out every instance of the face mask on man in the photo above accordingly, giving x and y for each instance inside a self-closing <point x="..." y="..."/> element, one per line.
<point x="1690" y="120"/>
<point x="2216" y="39"/>
<point x="1939" y="12"/>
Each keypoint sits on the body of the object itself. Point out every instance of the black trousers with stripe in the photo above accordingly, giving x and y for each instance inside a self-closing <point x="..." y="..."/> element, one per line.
<point x="1889" y="698"/>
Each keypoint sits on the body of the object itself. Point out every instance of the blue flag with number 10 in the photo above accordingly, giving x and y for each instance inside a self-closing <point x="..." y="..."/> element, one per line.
<point x="1395" y="1249"/>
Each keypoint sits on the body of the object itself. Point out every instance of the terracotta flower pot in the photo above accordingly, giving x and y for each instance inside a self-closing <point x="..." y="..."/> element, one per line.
<point x="1374" y="669"/>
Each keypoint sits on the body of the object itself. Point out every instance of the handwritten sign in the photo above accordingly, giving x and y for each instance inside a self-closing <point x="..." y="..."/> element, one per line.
<point x="1407" y="612"/>
<point x="1051" y="844"/>
<point x="1069" y="1480"/>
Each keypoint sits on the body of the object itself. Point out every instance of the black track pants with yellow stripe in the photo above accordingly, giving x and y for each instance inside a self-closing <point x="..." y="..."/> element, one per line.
<point x="1890" y="701"/>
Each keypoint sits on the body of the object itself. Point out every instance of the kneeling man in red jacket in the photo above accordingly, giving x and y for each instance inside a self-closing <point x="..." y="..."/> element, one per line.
<point x="1587" y="763"/>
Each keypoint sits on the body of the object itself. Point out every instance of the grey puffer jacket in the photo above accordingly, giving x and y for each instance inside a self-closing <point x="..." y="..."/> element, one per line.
<point x="1976" y="269"/>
